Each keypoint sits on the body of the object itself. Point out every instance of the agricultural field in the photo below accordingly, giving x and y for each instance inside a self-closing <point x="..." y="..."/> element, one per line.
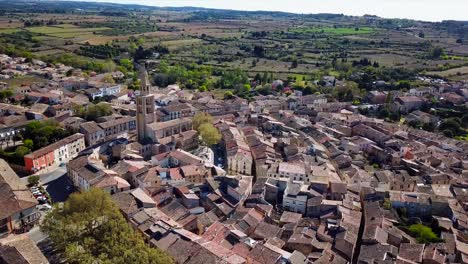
<point x="336" y="30"/>
<point x="65" y="31"/>
<point x="451" y="72"/>
<point x="280" y="44"/>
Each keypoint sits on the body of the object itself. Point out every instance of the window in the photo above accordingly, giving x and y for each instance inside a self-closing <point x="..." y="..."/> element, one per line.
<point x="3" y="226"/>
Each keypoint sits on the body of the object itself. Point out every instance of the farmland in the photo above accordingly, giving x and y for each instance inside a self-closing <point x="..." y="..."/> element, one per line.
<point x="335" y="30"/>
<point x="281" y="45"/>
<point x="64" y="31"/>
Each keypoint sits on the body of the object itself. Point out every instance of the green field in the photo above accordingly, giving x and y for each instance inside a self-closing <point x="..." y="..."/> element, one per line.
<point x="455" y="71"/>
<point x="9" y="30"/>
<point x="175" y="44"/>
<point x="335" y="31"/>
<point x="65" y="31"/>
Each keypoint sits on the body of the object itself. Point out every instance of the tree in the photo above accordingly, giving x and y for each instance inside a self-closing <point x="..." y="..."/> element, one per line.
<point x="415" y="124"/>
<point x="423" y="234"/>
<point x="429" y="127"/>
<point x="89" y="228"/>
<point x="28" y="143"/>
<point x="448" y="133"/>
<point x="436" y="52"/>
<point x="309" y="90"/>
<point x="43" y="133"/>
<point x="21" y="151"/>
<point x="128" y="64"/>
<point x="464" y="121"/>
<point x="6" y="94"/>
<point x="93" y="112"/>
<point x="453" y="125"/>
<point x="294" y="64"/>
<point x="395" y="116"/>
<point x="201" y="118"/>
<point x="108" y="79"/>
<point x="210" y="134"/>
<point x="264" y="89"/>
<point x="259" y="51"/>
<point x="202" y="88"/>
<point x="33" y="180"/>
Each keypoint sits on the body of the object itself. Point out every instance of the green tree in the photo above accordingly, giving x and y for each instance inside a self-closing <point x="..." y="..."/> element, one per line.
<point x="94" y="111"/>
<point x="33" y="180"/>
<point x="89" y="228"/>
<point x="294" y="64"/>
<point x="423" y="234"/>
<point x="43" y="133"/>
<point x="448" y="133"/>
<point x="6" y="94"/>
<point x="127" y="64"/>
<point x="436" y="52"/>
<point x="210" y="134"/>
<point x="28" y="143"/>
<point x="108" y="79"/>
<point x="429" y="127"/>
<point x="464" y="121"/>
<point x="202" y="88"/>
<point x="309" y="90"/>
<point x="21" y="151"/>
<point x="452" y="124"/>
<point x="264" y="89"/>
<point x="201" y="118"/>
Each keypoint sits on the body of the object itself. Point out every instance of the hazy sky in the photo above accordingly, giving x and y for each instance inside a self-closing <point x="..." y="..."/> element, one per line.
<point x="430" y="10"/>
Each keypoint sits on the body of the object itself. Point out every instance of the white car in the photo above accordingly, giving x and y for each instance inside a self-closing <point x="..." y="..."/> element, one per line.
<point x="44" y="207"/>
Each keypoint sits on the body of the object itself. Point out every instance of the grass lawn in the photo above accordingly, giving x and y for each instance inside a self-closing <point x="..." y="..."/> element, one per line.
<point x="335" y="31"/>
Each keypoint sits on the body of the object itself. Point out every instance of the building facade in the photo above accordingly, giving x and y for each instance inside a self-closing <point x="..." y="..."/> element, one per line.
<point x="55" y="154"/>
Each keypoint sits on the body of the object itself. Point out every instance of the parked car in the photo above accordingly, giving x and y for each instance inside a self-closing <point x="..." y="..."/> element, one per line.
<point x="39" y="198"/>
<point x="44" y="207"/>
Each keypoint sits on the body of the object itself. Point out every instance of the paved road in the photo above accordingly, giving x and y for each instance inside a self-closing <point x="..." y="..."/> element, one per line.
<point x="53" y="175"/>
<point x="219" y="156"/>
<point x="60" y="188"/>
<point x="49" y="176"/>
<point x="36" y="235"/>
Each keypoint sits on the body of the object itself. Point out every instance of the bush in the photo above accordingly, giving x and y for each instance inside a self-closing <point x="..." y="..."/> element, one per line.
<point x="228" y="95"/>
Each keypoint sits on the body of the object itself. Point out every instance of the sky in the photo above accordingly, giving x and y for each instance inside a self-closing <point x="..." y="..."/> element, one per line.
<point x="427" y="10"/>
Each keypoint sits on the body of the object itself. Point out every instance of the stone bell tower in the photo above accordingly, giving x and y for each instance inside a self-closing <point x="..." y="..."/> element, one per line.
<point x="145" y="105"/>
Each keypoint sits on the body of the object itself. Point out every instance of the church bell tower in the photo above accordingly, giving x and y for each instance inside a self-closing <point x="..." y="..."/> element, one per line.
<point x="145" y="105"/>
